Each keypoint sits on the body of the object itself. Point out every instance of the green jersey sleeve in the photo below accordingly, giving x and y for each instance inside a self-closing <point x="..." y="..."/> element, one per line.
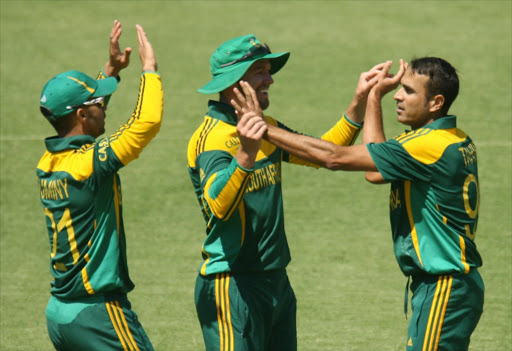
<point x="395" y="163"/>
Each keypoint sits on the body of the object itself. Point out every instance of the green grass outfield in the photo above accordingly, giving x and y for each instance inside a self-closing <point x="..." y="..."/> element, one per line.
<point x="349" y="288"/>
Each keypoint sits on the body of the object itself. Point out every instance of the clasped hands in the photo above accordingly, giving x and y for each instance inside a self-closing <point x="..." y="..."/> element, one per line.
<point x="252" y="126"/>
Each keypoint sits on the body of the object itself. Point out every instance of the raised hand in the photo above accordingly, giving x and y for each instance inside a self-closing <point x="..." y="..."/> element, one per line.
<point x="251" y="126"/>
<point x="246" y="102"/>
<point x="146" y="52"/>
<point x="387" y="82"/>
<point x="118" y="59"/>
<point x="367" y="80"/>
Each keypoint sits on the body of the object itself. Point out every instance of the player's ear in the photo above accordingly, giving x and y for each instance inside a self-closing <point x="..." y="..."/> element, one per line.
<point x="436" y="103"/>
<point x="81" y="113"/>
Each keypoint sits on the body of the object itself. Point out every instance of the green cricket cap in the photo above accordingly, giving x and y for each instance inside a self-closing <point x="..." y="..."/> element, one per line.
<point x="66" y="91"/>
<point x="234" y="57"/>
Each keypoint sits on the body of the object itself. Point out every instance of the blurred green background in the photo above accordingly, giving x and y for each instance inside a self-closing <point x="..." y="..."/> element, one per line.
<point x="349" y="288"/>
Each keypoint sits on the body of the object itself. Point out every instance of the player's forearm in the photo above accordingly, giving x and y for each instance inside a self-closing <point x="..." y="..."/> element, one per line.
<point x="313" y="150"/>
<point x="356" y="110"/>
<point x="373" y="129"/>
<point x="321" y="152"/>
<point x="131" y="138"/>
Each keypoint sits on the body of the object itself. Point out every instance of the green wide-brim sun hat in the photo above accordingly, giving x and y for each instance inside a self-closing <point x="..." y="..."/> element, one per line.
<point x="236" y="50"/>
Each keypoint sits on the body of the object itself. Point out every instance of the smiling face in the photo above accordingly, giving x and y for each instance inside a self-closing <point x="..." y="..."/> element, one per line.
<point x="259" y="78"/>
<point x="413" y="108"/>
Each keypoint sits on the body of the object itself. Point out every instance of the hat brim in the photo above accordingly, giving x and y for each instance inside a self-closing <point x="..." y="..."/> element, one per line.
<point x="227" y="79"/>
<point x="105" y="87"/>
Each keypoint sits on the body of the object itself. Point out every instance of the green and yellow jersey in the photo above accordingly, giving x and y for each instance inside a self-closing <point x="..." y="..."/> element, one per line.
<point x="434" y="198"/>
<point x="81" y="196"/>
<point x="243" y="208"/>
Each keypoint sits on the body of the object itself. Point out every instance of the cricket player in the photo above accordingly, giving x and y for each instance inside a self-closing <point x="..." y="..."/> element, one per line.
<point x="81" y="197"/>
<point x="243" y="297"/>
<point x="434" y="200"/>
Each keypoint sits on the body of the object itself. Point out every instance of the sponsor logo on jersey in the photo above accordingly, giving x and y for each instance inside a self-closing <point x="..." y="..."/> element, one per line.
<point x="264" y="177"/>
<point x="102" y="151"/>
<point x="394" y="199"/>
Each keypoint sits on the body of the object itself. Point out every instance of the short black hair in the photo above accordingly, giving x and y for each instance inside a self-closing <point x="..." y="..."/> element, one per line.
<point x="62" y="124"/>
<point x="443" y="79"/>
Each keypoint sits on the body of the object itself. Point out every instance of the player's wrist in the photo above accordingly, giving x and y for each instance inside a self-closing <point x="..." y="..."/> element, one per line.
<point x="244" y="161"/>
<point x="355" y="112"/>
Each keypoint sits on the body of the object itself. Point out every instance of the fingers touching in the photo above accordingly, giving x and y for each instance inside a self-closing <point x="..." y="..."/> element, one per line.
<point x="385" y="81"/>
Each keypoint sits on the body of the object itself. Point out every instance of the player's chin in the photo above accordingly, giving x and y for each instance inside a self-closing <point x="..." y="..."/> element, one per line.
<point x="264" y="103"/>
<point x="401" y="118"/>
<point x="406" y="122"/>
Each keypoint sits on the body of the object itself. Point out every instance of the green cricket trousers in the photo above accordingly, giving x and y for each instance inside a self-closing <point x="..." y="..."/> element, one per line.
<point x="105" y="323"/>
<point x="247" y="312"/>
<point x="445" y="311"/>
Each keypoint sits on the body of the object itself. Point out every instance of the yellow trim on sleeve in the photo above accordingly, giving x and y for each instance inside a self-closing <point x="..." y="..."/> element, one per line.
<point x="344" y="132"/>
<point x="223" y="205"/>
<point x="131" y="138"/>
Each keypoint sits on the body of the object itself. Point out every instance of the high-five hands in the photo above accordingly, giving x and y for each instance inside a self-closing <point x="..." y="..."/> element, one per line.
<point x="118" y="60"/>
<point x="146" y="52"/>
<point x="387" y="82"/>
<point x="367" y="80"/>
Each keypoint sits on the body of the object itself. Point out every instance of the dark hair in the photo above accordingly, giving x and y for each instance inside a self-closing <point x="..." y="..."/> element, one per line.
<point x="62" y="124"/>
<point x="443" y="79"/>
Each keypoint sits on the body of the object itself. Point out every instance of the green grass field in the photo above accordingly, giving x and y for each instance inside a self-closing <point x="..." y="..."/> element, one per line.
<point x="349" y="288"/>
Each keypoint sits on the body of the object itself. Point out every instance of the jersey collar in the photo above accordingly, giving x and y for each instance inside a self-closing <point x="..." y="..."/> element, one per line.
<point x="56" y="144"/>
<point x="446" y="122"/>
<point x="221" y="111"/>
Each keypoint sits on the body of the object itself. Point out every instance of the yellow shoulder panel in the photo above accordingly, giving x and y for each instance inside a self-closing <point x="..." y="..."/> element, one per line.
<point x="77" y="163"/>
<point x="427" y="145"/>
<point x="218" y="135"/>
